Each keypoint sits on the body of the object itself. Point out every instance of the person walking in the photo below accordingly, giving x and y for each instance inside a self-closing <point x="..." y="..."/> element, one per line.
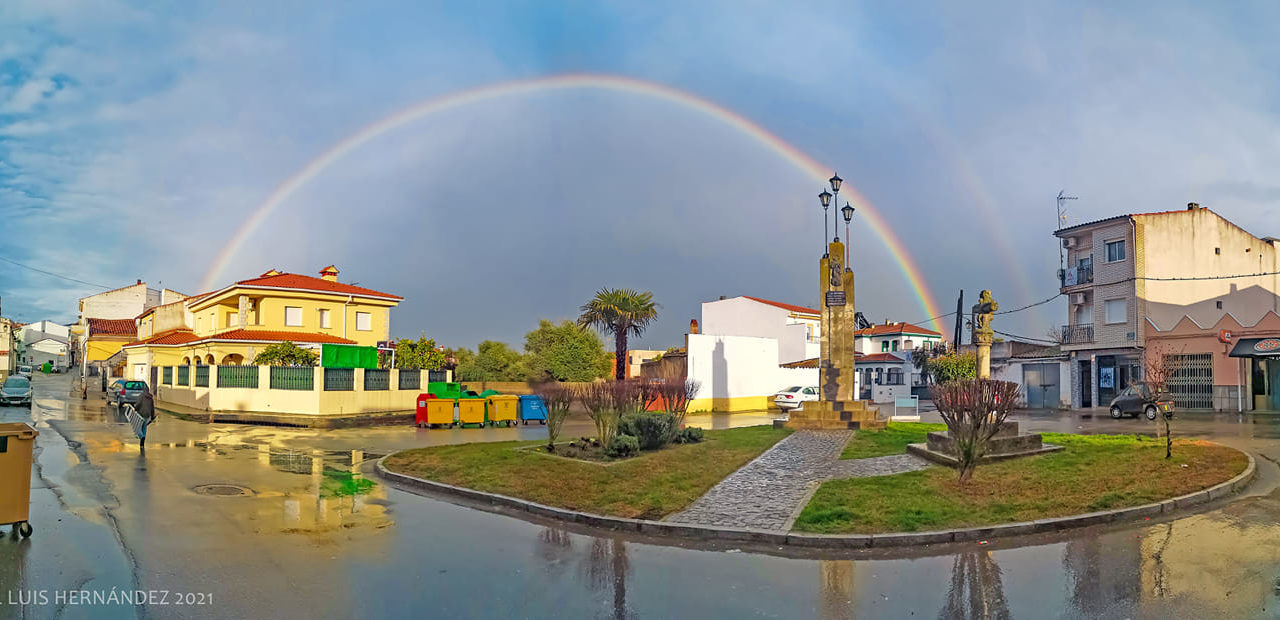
<point x="141" y="416"/>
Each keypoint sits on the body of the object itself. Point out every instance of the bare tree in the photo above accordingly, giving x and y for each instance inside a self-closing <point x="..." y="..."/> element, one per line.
<point x="557" y="398"/>
<point x="598" y="399"/>
<point x="974" y="410"/>
<point x="1158" y="367"/>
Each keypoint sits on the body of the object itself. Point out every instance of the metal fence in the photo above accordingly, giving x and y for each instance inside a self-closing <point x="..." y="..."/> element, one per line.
<point x="184" y="375"/>
<point x="436" y="376"/>
<point x="292" y="378"/>
<point x="339" y="379"/>
<point x="238" y="376"/>
<point x="167" y="375"/>
<point x="377" y="379"/>
<point x="410" y="379"/>
<point x="202" y="376"/>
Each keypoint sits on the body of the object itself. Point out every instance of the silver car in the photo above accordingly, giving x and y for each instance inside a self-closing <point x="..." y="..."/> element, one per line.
<point x="16" y="391"/>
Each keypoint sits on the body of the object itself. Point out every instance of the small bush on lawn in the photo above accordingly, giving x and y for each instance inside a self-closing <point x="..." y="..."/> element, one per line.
<point x="653" y="429"/>
<point x="692" y="434"/>
<point x="623" y="446"/>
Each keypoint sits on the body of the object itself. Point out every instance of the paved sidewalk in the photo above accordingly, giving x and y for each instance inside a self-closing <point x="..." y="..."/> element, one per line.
<point x="766" y="493"/>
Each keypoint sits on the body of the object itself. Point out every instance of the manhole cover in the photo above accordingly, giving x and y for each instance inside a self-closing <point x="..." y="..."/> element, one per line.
<point x="222" y="490"/>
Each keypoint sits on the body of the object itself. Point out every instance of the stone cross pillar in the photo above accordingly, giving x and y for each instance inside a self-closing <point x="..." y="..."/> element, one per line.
<point x="836" y="374"/>
<point x="982" y="332"/>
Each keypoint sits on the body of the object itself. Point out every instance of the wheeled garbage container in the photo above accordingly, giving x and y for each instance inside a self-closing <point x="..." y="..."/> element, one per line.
<point x="439" y="412"/>
<point x="471" y="411"/>
<point x="502" y="408"/>
<point x="445" y="389"/>
<point x="532" y="408"/>
<point x="16" y="443"/>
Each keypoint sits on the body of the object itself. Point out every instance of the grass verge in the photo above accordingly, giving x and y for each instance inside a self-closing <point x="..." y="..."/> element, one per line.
<point x="892" y="439"/>
<point x="649" y="486"/>
<point x="1092" y="473"/>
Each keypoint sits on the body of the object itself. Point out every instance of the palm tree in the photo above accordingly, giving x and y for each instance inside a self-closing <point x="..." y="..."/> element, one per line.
<point x="621" y="312"/>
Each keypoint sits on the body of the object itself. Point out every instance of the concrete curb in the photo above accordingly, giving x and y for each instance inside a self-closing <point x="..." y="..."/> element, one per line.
<point x="830" y="541"/>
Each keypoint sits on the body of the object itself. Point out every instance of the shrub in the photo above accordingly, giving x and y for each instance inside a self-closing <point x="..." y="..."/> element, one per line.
<point x="692" y="434"/>
<point x="623" y="446"/>
<point x="653" y="429"/>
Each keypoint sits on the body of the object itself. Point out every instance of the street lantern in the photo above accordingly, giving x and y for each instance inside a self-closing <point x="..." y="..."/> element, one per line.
<point x="825" y="197"/>
<point x="847" y="212"/>
<point x="835" y="182"/>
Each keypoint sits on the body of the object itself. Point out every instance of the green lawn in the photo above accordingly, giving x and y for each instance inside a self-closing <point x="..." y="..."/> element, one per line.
<point x="892" y="439"/>
<point x="1092" y="473"/>
<point x="650" y="486"/>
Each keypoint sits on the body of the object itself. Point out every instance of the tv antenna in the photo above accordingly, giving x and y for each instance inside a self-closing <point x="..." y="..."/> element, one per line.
<point x="1061" y="223"/>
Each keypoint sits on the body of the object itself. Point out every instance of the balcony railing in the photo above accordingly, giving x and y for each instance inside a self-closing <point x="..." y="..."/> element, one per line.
<point x="1074" y="276"/>
<point x="1077" y="334"/>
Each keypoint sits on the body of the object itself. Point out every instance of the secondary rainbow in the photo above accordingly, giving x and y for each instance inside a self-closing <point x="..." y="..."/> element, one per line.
<point x="581" y="81"/>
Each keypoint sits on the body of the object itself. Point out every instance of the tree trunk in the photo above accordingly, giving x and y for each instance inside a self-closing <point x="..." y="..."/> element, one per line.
<point x="1168" y="439"/>
<point x="620" y="354"/>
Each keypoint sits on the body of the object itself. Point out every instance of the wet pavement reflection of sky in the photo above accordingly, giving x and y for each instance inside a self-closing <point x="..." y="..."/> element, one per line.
<point x="289" y="522"/>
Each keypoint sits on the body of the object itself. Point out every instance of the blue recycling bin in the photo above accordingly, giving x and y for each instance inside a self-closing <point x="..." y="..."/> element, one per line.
<point x="532" y="408"/>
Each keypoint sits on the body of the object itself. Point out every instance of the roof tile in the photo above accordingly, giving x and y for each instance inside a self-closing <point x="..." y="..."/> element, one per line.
<point x="298" y="281"/>
<point x="112" y="327"/>
<point x="778" y="304"/>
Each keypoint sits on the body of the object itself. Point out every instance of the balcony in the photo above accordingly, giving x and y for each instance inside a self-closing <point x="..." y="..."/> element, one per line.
<point x="1077" y="334"/>
<point x="1075" y="276"/>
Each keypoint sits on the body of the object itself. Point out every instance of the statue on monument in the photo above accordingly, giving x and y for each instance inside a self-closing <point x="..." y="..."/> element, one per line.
<point x="982" y="314"/>
<point x="983" y="311"/>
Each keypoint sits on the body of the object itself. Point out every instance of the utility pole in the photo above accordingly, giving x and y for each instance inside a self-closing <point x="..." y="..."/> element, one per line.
<point x="959" y="318"/>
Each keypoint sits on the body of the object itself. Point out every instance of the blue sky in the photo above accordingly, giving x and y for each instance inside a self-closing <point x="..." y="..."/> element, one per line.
<point x="134" y="138"/>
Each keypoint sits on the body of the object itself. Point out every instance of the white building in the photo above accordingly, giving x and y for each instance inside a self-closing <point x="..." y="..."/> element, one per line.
<point x="797" y="329"/>
<point x="52" y="349"/>
<point x="750" y="348"/>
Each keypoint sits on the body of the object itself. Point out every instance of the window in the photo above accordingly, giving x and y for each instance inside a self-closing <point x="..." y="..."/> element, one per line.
<point x="1115" y="251"/>
<point x="884" y="346"/>
<point x="231" y="319"/>
<point x="907" y="345"/>
<point x="364" y="321"/>
<point x="324" y="319"/>
<point x="1117" y="311"/>
<point x="1218" y="305"/>
<point x="895" y="345"/>
<point x="293" y="316"/>
<point x="893" y="377"/>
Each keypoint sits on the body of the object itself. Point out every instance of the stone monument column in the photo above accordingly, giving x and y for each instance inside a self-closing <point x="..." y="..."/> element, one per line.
<point x="837" y="407"/>
<point x="982" y="332"/>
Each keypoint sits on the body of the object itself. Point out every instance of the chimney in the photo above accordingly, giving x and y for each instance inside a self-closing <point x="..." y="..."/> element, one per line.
<point x="139" y="281"/>
<point x="886" y="321"/>
<point x="1192" y="206"/>
<point x="329" y="274"/>
<point x="693" y="326"/>
<point x="722" y="298"/>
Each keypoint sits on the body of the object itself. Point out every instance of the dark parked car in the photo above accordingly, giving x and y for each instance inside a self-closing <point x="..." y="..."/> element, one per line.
<point x="16" y="391"/>
<point x="123" y="391"/>
<point x="1141" y="399"/>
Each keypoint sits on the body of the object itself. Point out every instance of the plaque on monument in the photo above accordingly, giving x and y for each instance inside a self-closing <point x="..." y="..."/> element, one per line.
<point x="835" y="298"/>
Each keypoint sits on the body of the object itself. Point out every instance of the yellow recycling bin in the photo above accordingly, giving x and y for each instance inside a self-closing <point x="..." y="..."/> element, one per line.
<point x="16" y="442"/>
<point x="503" y="408"/>
<point x="439" y="411"/>
<point x="471" y="411"/>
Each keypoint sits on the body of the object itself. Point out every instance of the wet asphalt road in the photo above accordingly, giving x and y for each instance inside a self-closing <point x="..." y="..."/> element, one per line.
<point x="310" y="539"/>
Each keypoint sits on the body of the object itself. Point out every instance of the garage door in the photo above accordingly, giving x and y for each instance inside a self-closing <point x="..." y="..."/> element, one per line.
<point x="1041" y="383"/>
<point x="1190" y="380"/>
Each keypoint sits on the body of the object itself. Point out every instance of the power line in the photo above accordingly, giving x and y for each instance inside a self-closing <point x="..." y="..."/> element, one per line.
<point x="50" y="273"/>
<point x="1029" y="306"/>
<point x="1025" y="338"/>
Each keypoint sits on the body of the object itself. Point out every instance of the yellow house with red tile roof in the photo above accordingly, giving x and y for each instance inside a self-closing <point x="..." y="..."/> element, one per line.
<point x="230" y="326"/>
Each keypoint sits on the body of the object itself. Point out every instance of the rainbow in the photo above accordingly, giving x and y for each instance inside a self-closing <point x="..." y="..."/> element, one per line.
<point x="819" y="172"/>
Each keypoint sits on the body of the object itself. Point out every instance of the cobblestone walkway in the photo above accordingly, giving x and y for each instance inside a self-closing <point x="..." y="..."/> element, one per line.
<point x="766" y="493"/>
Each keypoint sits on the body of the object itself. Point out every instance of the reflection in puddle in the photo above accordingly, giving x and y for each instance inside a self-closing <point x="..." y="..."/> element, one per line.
<point x="603" y="568"/>
<point x="977" y="590"/>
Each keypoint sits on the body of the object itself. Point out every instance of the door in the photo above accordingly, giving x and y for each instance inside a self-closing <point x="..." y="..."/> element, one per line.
<point x="140" y="372"/>
<point x="1033" y="379"/>
<point x="1086" y="384"/>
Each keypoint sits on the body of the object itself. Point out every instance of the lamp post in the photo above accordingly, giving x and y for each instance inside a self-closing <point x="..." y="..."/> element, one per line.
<point x="847" y="212"/>
<point x="825" y="198"/>
<point x="835" y="182"/>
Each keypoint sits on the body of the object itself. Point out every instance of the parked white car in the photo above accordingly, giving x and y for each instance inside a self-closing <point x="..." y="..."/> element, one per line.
<point x="793" y="397"/>
<point x="25" y="371"/>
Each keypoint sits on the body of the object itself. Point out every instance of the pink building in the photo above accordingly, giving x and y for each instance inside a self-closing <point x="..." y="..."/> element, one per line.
<point x="1237" y="366"/>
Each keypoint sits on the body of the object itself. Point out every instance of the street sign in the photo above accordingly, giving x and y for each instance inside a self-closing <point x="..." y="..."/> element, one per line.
<point x="835" y="298"/>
